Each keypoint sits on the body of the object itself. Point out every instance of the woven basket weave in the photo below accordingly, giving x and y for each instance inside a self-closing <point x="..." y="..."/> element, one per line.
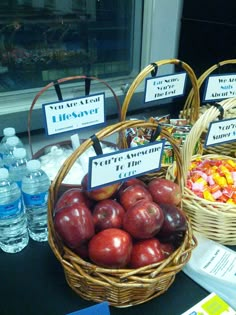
<point x="190" y="112"/>
<point x="120" y="287"/>
<point x="214" y="219"/>
<point x="228" y="148"/>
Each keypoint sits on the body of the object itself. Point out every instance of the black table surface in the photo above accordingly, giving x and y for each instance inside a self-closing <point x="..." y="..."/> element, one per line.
<point x="32" y="282"/>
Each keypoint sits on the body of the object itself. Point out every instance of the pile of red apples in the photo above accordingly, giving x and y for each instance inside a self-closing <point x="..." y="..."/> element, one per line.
<point x="122" y="225"/>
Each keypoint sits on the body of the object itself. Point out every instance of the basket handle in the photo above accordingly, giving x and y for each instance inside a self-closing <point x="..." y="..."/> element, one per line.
<point x="198" y="128"/>
<point x="193" y="113"/>
<point x="56" y="85"/>
<point x="203" y="77"/>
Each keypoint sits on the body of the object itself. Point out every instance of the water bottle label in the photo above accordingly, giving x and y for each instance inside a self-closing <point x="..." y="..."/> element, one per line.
<point x="11" y="209"/>
<point x="35" y="200"/>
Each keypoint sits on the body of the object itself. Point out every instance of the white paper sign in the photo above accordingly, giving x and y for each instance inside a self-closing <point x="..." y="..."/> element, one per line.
<point x="221" y="132"/>
<point x="164" y="86"/>
<point x="220" y="87"/>
<point x="115" y="167"/>
<point x="74" y="114"/>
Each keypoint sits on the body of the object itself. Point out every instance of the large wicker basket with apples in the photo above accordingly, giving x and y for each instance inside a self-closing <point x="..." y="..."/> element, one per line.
<point x="210" y="183"/>
<point x="101" y="265"/>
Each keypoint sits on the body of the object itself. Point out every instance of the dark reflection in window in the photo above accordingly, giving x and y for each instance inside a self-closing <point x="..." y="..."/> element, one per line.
<point x="43" y="40"/>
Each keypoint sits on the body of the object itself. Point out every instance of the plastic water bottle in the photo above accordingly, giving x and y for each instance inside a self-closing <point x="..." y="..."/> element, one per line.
<point x="8" y="132"/>
<point x="13" y="223"/>
<point x="18" y="167"/>
<point x="35" y="186"/>
<point x="8" y="148"/>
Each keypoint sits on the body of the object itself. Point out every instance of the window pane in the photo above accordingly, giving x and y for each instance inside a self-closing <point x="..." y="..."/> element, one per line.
<point x="43" y="40"/>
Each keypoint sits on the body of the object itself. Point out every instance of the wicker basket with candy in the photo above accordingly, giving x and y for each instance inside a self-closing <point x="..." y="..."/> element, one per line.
<point x="189" y="116"/>
<point x="178" y="129"/>
<point x="226" y="148"/>
<point x="210" y="185"/>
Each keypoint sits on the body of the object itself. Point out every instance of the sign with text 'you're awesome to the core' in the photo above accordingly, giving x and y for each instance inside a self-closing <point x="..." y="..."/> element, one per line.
<point x="221" y="131"/>
<point x="117" y="166"/>
<point x="72" y="114"/>
<point x="220" y="87"/>
<point x="164" y="86"/>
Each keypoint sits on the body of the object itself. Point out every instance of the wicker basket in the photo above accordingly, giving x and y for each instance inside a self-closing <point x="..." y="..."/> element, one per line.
<point x="190" y="112"/>
<point x="214" y="219"/>
<point x="120" y="287"/>
<point x="228" y="148"/>
<point x="65" y="143"/>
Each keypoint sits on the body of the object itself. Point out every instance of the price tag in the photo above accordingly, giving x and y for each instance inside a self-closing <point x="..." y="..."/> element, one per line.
<point x="77" y="113"/>
<point x="222" y="131"/>
<point x="97" y="309"/>
<point x="220" y="87"/>
<point x="164" y="87"/>
<point x="117" y="166"/>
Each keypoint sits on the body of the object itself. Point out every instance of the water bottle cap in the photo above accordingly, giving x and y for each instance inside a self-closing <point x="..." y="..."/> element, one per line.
<point x="9" y="132"/>
<point x="12" y="141"/>
<point x="19" y="153"/>
<point x="4" y="173"/>
<point x="33" y="165"/>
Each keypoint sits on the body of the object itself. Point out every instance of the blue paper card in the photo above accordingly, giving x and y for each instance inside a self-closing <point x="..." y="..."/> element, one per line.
<point x="98" y="309"/>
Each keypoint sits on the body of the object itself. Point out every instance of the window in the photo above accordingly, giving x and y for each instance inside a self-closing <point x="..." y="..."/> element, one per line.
<point x="43" y="40"/>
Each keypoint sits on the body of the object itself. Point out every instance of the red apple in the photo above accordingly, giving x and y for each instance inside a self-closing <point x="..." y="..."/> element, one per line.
<point x="167" y="249"/>
<point x="174" y="220"/>
<point x="102" y="193"/>
<point x="176" y="239"/>
<point x="132" y="194"/>
<point x="129" y="182"/>
<point x="111" y="248"/>
<point x="146" y="252"/>
<point x="71" y="196"/>
<point x="108" y="213"/>
<point x="165" y="191"/>
<point x="74" y="224"/>
<point x="82" y="251"/>
<point x="143" y="220"/>
<point x="133" y="181"/>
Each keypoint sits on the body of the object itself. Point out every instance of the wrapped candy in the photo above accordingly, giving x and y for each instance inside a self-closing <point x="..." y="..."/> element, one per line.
<point x="213" y="179"/>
